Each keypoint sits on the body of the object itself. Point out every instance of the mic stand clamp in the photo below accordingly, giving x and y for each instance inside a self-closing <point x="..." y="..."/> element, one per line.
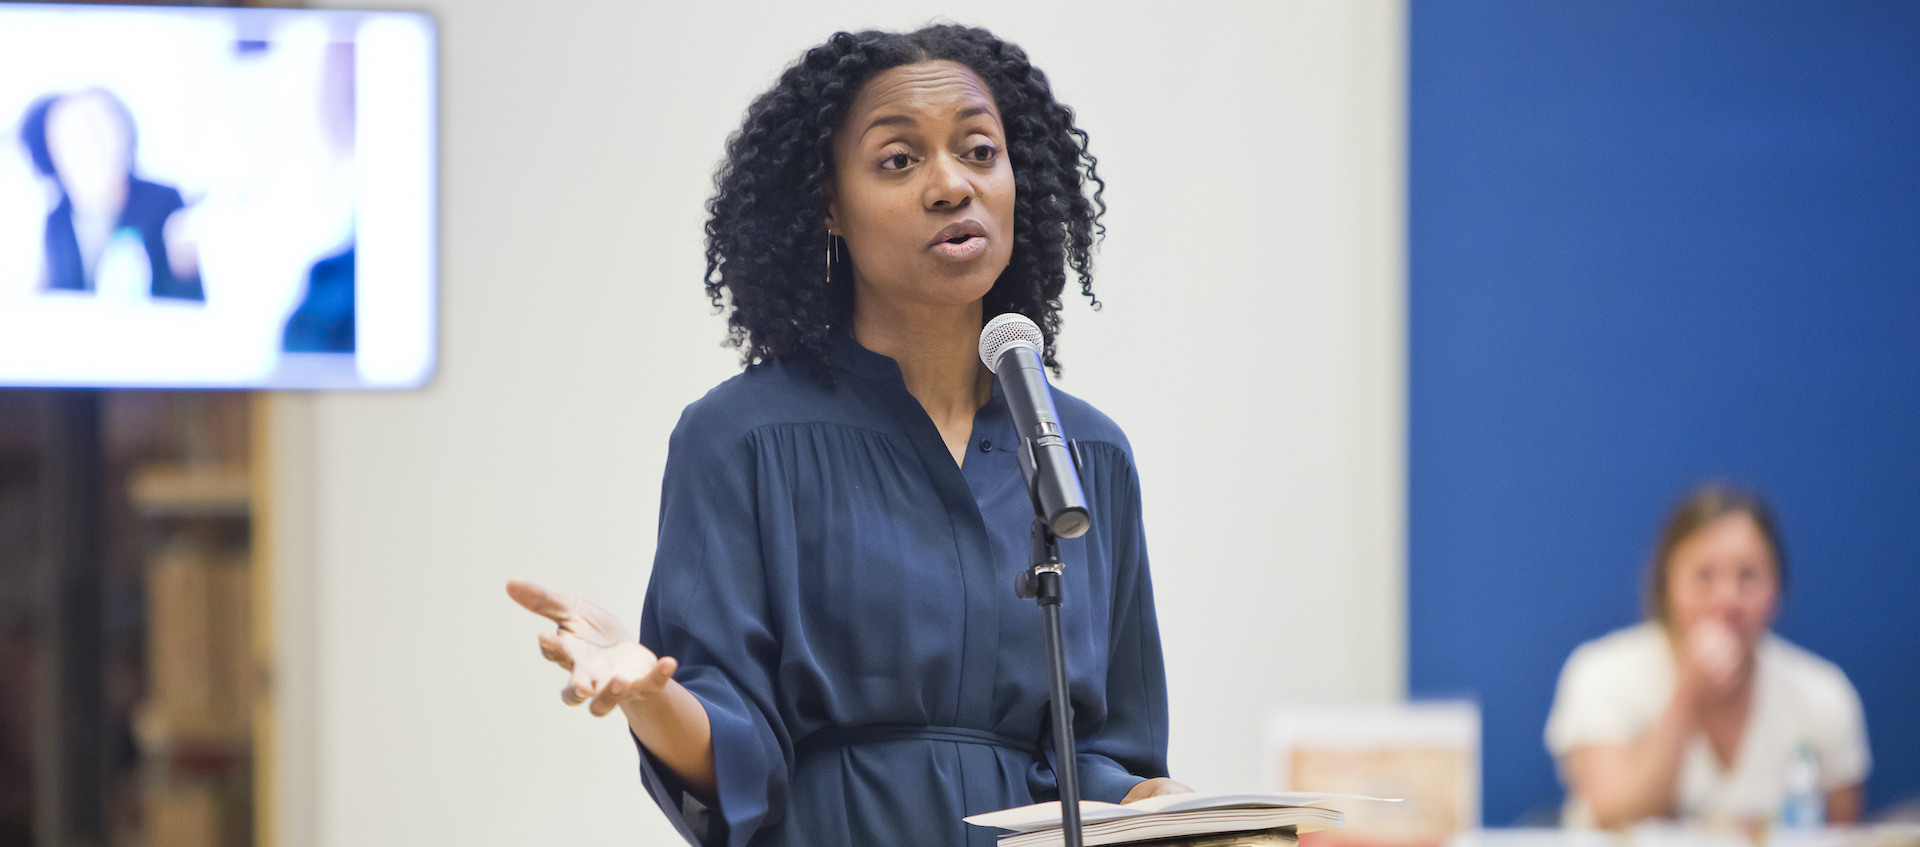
<point x="1041" y="584"/>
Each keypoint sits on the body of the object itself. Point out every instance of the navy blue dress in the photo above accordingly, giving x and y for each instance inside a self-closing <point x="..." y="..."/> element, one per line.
<point x="147" y="208"/>
<point x="840" y="597"/>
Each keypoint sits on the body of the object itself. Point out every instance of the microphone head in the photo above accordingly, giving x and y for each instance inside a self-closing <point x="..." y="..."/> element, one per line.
<point x="1006" y="332"/>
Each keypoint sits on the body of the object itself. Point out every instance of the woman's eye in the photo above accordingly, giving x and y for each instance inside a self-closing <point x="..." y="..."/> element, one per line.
<point x="983" y="152"/>
<point x="895" y="162"/>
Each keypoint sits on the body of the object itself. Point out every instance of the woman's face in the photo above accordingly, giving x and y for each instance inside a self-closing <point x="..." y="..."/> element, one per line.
<point x="92" y="150"/>
<point x="923" y="190"/>
<point x="1724" y="571"/>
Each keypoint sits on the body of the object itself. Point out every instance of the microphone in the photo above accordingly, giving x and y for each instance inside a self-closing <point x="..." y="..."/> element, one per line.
<point x="1010" y="345"/>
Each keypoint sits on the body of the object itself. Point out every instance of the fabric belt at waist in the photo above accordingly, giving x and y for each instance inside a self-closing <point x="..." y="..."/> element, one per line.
<point x="837" y="736"/>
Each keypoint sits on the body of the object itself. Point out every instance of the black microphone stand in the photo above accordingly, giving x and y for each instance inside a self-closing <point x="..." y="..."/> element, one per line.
<point x="1041" y="583"/>
<point x="1011" y="346"/>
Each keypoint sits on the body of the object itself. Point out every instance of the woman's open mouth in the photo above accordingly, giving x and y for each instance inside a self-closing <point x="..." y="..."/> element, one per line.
<point x="964" y="247"/>
<point x="961" y="240"/>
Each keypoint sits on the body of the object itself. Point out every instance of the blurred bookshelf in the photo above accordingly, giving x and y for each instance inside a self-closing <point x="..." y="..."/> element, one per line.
<point x="135" y="647"/>
<point x="194" y="728"/>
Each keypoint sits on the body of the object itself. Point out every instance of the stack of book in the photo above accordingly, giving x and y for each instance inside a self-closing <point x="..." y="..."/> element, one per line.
<point x="199" y="667"/>
<point x="1174" y="820"/>
<point x="195" y="725"/>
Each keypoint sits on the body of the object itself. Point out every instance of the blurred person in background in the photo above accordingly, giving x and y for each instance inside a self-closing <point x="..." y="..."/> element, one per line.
<point x="84" y="142"/>
<point x="1701" y="713"/>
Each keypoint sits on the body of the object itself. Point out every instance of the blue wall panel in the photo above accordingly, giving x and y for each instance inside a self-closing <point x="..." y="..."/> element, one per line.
<point x="1654" y="243"/>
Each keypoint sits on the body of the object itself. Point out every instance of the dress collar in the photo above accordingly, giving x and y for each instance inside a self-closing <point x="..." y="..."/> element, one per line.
<point x="849" y="356"/>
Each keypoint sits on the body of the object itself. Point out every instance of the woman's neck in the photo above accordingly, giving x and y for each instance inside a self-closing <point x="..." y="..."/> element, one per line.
<point x="937" y="349"/>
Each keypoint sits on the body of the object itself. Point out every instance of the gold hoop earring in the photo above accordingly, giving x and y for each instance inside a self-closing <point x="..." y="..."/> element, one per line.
<point x="831" y="251"/>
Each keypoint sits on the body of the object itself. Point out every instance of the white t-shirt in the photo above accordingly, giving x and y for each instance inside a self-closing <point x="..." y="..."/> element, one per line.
<point x="1614" y="689"/>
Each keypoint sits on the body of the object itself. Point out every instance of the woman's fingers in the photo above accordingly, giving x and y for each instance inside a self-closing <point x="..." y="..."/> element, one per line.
<point x="579" y="687"/>
<point x="604" y="675"/>
<point x="587" y="683"/>
<point x="551" y="605"/>
<point x="550" y="649"/>
<point x="573" y="614"/>
<point x="590" y="670"/>
<point x="1714" y="654"/>
<point x="1155" y="787"/>
<point x="609" y="697"/>
<point x="643" y="676"/>
<point x="662" y="673"/>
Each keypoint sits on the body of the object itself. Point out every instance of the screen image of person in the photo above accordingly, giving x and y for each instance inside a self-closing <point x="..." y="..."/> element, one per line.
<point x="84" y="143"/>
<point x="830" y="648"/>
<point x="1702" y="713"/>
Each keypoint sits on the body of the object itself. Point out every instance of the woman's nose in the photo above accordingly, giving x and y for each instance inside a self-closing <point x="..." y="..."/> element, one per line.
<point x="1726" y="593"/>
<point x="948" y="184"/>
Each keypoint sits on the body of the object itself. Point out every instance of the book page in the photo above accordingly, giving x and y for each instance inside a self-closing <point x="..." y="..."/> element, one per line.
<point x="1044" y="815"/>
<point x="1186" y="802"/>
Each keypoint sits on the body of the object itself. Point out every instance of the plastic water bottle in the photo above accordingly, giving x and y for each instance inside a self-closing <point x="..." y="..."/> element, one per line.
<point x="1804" y="807"/>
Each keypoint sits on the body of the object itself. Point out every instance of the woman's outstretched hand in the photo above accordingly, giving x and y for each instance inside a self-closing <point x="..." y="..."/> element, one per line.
<point x="608" y="668"/>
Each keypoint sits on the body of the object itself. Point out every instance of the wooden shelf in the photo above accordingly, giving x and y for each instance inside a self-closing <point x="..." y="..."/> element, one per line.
<point x="178" y="491"/>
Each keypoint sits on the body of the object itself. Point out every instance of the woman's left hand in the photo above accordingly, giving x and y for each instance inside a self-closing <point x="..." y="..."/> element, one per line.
<point x="1155" y="787"/>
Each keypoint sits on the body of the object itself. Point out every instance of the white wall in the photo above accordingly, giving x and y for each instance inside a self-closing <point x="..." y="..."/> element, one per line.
<point x="1253" y="153"/>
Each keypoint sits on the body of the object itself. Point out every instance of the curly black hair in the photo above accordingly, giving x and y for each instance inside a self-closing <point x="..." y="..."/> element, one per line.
<point x="766" y="226"/>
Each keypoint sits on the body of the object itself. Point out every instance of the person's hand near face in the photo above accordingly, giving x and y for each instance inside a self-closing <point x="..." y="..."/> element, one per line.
<point x="1712" y="656"/>
<point x="1723" y="587"/>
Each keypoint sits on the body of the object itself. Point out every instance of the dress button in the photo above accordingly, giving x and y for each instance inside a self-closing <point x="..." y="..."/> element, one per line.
<point x="986" y="446"/>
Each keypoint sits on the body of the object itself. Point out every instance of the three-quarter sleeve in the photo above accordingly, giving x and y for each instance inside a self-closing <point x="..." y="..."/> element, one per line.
<point x="707" y="607"/>
<point x="1610" y="692"/>
<point x="1128" y="743"/>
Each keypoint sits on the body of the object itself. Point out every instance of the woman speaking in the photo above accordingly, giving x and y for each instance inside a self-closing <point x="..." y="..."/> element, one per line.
<point x="831" y="651"/>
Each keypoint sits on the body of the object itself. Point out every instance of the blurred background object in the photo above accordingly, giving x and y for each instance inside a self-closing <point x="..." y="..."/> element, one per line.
<point x="206" y="197"/>
<point x="1426" y="754"/>
<point x="132" y="660"/>
<point x="157" y="149"/>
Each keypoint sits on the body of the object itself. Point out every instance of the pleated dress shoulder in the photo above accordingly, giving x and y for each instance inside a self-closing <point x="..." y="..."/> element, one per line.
<point x="839" y="594"/>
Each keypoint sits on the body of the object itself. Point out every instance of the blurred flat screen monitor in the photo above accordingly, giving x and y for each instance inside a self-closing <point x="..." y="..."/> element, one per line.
<point x="194" y="197"/>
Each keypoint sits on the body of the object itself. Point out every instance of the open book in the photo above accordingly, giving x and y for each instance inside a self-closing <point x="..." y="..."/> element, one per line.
<point x="1166" y="816"/>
